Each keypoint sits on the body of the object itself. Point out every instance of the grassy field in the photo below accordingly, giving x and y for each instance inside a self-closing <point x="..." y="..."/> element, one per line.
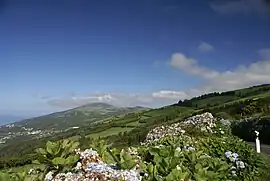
<point x="109" y="132"/>
<point x="135" y="123"/>
<point x="144" y="120"/>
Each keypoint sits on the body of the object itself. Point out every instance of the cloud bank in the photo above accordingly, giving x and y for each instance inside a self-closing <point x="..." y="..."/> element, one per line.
<point x="213" y="80"/>
<point x="190" y="66"/>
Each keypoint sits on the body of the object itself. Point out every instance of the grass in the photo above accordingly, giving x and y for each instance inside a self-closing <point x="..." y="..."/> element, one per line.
<point x="115" y="124"/>
<point x="25" y="168"/>
<point x="110" y="132"/>
<point x="216" y="100"/>
<point x="135" y="124"/>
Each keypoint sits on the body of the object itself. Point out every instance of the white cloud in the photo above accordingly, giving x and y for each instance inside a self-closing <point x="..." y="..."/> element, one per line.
<point x="241" y="7"/>
<point x="190" y="66"/>
<point x="169" y="94"/>
<point x="243" y="76"/>
<point x="205" y="47"/>
<point x="155" y="99"/>
<point x="240" y="77"/>
<point x="117" y="99"/>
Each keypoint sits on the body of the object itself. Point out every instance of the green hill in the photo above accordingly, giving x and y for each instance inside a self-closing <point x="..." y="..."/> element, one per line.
<point x="77" y="117"/>
<point x="220" y="98"/>
<point x="131" y="127"/>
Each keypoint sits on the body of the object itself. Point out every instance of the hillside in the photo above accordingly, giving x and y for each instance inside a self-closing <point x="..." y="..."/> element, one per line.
<point x="60" y="122"/>
<point x="80" y="116"/>
<point x="131" y="128"/>
<point x="197" y="148"/>
<point x="221" y="98"/>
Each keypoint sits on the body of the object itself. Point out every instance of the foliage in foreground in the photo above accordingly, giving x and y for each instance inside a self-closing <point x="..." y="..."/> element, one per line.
<point x="197" y="154"/>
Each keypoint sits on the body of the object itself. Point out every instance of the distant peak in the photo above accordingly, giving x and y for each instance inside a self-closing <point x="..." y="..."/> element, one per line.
<point x="98" y="104"/>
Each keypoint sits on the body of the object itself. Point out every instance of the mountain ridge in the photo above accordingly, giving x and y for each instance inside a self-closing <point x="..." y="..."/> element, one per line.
<point x="78" y="116"/>
<point x="126" y="128"/>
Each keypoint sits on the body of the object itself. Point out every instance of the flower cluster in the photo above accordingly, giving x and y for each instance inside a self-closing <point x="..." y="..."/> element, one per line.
<point x="91" y="167"/>
<point x="234" y="158"/>
<point x="163" y="131"/>
<point x="225" y="122"/>
<point x="204" y="121"/>
<point x="185" y="148"/>
<point x="231" y="156"/>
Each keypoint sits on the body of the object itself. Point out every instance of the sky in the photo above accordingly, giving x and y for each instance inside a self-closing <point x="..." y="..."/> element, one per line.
<point x="59" y="54"/>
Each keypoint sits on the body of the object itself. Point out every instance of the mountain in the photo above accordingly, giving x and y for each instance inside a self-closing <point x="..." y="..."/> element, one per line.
<point x="76" y="117"/>
<point x="122" y="126"/>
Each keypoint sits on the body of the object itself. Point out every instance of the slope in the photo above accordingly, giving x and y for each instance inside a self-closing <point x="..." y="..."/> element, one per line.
<point x="77" y="117"/>
<point x="131" y="128"/>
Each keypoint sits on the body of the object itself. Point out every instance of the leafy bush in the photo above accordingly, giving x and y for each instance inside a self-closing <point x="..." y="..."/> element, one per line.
<point x="202" y="150"/>
<point x="58" y="156"/>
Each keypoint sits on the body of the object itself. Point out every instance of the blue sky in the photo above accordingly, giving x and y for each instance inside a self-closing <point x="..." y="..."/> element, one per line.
<point x="58" y="54"/>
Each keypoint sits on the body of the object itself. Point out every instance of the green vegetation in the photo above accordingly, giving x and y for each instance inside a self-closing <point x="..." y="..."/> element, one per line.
<point x="196" y="154"/>
<point x="227" y="98"/>
<point x="110" y="132"/>
<point x="129" y="128"/>
<point x="115" y="130"/>
<point x="80" y="116"/>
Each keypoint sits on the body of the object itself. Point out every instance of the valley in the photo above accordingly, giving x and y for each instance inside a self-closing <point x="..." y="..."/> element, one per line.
<point x="61" y="122"/>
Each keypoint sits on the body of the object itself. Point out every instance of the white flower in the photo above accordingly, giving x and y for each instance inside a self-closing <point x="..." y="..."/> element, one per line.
<point x="178" y="167"/>
<point x="49" y="176"/>
<point x="222" y="132"/>
<point x="234" y="173"/>
<point x="31" y="171"/>
<point x="235" y="155"/>
<point x="190" y="148"/>
<point x="78" y="166"/>
<point x="240" y="164"/>
<point x="182" y="131"/>
<point x="69" y="174"/>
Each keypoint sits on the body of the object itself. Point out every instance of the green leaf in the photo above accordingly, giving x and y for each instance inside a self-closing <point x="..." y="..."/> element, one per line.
<point x="50" y="147"/>
<point x="36" y="162"/>
<point x="59" y="161"/>
<point x="4" y="177"/>
<point x="126" y="160"/>
<point x="73" y="146"/>
<point x="65" y="143"/>
<point x="71" y="160"/>
<point x="41" y="151"/>
<point x="198" y="166"/>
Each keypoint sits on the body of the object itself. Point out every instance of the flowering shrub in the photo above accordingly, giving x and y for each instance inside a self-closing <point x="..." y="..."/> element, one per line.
<point x="201" y="148"/>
